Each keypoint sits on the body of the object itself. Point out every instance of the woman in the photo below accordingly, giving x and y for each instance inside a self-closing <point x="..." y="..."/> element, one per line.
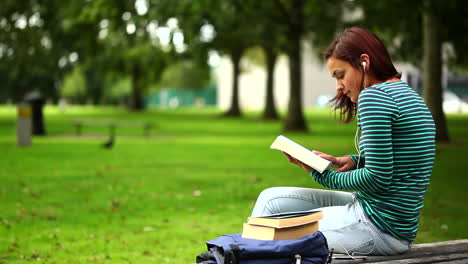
<point x="391" y="171"/>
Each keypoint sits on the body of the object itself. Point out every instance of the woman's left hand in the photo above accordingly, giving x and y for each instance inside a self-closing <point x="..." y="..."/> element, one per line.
<point x="297" y="162"/>
<point x="341" y="163"/>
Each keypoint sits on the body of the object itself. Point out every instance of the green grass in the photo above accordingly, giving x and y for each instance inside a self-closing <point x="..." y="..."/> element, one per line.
<point x="158" y="199"/>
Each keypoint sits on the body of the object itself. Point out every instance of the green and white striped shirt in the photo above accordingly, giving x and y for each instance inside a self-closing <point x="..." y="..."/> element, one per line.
<point x="397" y="146"/>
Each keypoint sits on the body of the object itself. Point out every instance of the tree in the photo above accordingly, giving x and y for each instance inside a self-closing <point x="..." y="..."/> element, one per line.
<point x="453" y="16"/>
<point x="231" y="33"/>
<point x="44" y="40"/>
<point x="33" y="48"/>
<point x="317" y="20"/>
<point x="271" y="55"/>
<point x="420" y="20"/>
<point x="90" y="51"/>
<point x="240" y="25"/>
<point x="128" y="45"/>
<point x="234" y="35"/>
<point x="432" y="65"/>
<point x="294" y="16"/>
<point x="271" y="42"/>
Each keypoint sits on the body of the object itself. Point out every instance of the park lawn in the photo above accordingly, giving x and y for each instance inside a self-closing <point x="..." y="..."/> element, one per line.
<point x="157" y="199"/>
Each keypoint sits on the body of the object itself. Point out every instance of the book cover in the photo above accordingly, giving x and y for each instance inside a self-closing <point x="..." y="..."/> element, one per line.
<point x="300" y="153"/>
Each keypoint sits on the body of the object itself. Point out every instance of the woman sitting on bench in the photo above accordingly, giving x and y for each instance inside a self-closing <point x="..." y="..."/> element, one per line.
<point x="390" y="173"/>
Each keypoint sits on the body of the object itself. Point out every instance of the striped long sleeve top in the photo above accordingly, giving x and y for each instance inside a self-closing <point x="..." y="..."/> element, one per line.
<point x="397" y="146"/>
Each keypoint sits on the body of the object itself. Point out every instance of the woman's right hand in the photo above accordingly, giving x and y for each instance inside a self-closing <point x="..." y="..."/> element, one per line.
<point x="342" y="163"/>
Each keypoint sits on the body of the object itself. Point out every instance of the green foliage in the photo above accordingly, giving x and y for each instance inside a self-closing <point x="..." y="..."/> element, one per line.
<point x="128" y="52"/>
<point x="74" y="86"/>
<point x="119" y="90"/>
<point x="159" y="199"/>
<point x="403" y="34"/>
<point x="185" y="75"/>
<point x="255" y="56"/>
<point x="37" y="38"/>
<point x="29" y="54"/>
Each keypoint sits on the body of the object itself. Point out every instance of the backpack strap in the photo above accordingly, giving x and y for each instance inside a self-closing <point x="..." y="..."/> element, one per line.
<point x="232" y="256"/>
<point x="206" y="257"/>
<point x="218" y="255"/>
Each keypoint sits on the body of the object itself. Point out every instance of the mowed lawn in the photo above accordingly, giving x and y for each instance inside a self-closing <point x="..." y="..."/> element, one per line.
<point x="157" y="199"/>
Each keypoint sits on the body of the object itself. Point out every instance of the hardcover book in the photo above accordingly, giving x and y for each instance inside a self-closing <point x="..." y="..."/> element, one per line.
<point x="282" y="226"/>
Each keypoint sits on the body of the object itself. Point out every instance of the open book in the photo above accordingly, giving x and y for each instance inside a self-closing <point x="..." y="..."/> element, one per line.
<point x="300" y="153"/>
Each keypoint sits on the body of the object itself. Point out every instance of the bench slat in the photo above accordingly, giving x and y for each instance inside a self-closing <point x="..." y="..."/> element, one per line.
<point x="438" y="252"/>
<point x="433" y="259"/>
<point x="147" y="127"/>
<point x="463" y="261"/>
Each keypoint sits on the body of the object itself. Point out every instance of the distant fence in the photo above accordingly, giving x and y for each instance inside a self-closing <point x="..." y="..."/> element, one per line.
<point x="176" y="97"/>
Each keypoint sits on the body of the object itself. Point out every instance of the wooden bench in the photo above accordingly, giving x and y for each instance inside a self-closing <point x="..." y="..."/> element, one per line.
<point x="447" y="252"/>
<point x="112" y="126"/>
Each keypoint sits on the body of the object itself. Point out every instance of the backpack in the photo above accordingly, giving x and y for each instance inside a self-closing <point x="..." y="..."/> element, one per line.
<point x="233" y="249"/>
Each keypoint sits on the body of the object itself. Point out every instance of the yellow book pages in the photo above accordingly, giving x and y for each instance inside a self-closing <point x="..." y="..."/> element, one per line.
<point x="282" y="221"/>
<point x="271" y="233"/>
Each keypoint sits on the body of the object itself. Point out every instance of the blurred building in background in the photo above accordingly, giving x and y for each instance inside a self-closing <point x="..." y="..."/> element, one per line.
<point x="455" y="90"/>
<point x="318" y="87"/>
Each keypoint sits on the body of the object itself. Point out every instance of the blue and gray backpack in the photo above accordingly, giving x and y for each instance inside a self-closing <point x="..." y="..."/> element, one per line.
<point x="233" y="249"/>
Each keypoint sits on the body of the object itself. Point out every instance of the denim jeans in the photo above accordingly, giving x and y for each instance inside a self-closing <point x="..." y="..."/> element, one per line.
<point x="344" y="224"/>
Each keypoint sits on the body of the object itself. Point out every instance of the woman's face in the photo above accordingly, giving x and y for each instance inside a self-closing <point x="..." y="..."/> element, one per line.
<point x="348" y="78"/>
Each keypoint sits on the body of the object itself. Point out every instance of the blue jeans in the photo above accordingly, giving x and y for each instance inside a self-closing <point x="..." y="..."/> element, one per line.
<point x="344" y="224"/>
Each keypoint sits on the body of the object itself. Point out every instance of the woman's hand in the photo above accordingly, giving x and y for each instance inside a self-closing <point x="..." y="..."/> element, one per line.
<point x="297" y="162"/>
<point x="342" y="163"/>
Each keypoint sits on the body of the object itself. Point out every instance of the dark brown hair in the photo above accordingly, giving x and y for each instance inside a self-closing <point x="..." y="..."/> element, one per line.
<point x="349" y="46"/>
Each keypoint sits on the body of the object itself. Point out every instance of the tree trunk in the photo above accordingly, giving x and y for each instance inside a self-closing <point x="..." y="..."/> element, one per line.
<point x="270" y="110"/>
<point x="295" y="118"/>
<point x="234" y="110"/>
<point x="136" y="100"/>
<point x="432" y="84"/>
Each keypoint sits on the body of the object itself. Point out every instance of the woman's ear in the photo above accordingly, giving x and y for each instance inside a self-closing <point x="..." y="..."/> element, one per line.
<point x="365" y="62"/>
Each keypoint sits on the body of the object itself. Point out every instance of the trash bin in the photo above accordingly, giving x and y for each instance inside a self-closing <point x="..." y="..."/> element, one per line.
<point x="36" y="101"/>
<point x="23" y="125"/>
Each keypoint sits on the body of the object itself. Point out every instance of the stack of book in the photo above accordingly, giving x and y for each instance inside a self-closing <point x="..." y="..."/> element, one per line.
<point x="282" y="226"/>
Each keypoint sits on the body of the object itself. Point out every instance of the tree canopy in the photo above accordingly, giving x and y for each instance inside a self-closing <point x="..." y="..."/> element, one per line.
<point x="154" y="42"/>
